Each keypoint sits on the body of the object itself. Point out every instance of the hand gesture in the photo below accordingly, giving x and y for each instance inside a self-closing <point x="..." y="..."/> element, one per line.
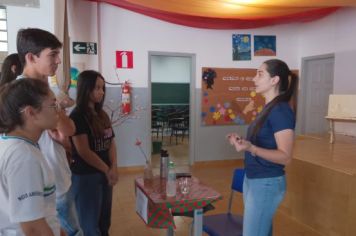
<point x="232" y="137"/>
<point x="112" y="176"/>
<point x="239" y="143"/>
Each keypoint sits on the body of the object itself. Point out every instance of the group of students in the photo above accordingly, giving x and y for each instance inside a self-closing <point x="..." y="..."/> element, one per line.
<point x="40" y="195"/>
<point x="41" y="192"/>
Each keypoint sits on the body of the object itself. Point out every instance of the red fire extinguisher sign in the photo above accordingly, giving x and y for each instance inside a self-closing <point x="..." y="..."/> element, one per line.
<point x="124" y="59"/>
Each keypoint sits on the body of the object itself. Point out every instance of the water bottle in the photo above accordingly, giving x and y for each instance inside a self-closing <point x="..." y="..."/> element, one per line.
<point x="171" y="187"/>
<point x="163" y="170"/>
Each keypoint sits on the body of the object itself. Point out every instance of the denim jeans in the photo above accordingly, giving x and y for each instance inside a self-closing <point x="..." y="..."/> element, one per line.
<point x="261" y="199"/>
<point x="93" y="200"/>
<point x="67" y="214"/>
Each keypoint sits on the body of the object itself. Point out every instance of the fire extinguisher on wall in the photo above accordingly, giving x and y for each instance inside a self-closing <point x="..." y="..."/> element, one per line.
<point x="126" y="98"/>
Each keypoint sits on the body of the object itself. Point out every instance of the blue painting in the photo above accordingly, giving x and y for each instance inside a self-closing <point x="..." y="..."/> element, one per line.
<point x="241" y="47"/>
<point x="74" y="72"/>
<point x="265" y="45"/>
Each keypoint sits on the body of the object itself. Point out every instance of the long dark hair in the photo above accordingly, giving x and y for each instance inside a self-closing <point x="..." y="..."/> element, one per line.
<point x="7" y="74"/>
<point x="286" y="86"/>
<point x="98" y="119"/>
<point x="15" y="96"/>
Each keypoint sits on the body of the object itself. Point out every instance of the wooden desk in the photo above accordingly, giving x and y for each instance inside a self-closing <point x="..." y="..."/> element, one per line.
<point x="160" y="207"/>
<point x="332" y="119"/>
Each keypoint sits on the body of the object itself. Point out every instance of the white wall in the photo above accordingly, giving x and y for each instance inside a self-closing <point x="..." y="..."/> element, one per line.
<point x="25" y="17"/>
<point x="83" y="27"/>
<point x="125" y="30"/>
<point x="334" y="34"/>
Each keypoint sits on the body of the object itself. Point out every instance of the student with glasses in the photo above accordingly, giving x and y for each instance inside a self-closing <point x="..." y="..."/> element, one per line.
<point x="27" y="185"/>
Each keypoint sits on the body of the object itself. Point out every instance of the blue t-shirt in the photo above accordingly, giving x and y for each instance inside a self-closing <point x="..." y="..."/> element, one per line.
<point x="281" y="117"/>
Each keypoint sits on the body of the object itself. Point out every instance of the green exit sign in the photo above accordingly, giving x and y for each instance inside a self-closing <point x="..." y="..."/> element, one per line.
<point x="84" y="48"/>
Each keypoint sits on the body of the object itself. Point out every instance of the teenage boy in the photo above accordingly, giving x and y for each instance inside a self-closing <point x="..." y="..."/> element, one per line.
<point x="39" y="52"/>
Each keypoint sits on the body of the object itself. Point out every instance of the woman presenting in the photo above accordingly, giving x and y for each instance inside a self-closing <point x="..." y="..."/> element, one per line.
<point x="268" y="147"/>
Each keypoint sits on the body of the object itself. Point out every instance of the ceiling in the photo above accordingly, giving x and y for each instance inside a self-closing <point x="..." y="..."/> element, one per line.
<point x="228" y="14"/>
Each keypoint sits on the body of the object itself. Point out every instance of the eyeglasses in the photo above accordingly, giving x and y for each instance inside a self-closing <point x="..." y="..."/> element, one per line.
<point x="54" y="106"/>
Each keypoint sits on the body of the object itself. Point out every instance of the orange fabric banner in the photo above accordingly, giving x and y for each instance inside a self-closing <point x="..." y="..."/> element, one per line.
<point x="228" y="14"/>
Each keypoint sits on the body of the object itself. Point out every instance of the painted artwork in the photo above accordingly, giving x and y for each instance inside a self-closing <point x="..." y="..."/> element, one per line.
<point x="241" y="47"/>
<point x="75" y="70"/>
<point x="265" y="45"/>
<point x="229" y="97"/>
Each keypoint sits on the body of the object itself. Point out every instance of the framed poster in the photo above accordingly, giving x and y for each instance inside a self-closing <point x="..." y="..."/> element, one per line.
<point x="265" y="45"/>
<point x="229" y="97"/>
<point x="241" y="47"/>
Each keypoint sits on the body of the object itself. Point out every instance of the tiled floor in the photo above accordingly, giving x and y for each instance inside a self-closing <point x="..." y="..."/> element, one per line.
<point x="125" y="222"/>
<point x="178" y="153"/>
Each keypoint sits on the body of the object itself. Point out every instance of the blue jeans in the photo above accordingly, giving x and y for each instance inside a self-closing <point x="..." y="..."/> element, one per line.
<point x="67" y="214"/>
<point x="261" y="200"/>
<point x="93" y="200"/>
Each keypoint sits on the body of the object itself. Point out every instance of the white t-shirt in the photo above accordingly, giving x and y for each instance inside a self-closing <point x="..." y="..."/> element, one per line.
<point x="55" y="155"/>
<point x="27" y="189"/>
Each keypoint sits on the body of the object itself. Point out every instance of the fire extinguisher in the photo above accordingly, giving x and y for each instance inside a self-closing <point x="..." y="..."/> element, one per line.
<point x="125" y="101"/>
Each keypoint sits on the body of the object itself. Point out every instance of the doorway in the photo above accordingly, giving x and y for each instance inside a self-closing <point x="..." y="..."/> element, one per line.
<point x="317" y="85"/>
<point x="171" y="84"/>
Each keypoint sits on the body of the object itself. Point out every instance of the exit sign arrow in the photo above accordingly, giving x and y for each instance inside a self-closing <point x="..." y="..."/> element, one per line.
<point x="78" y="48"/>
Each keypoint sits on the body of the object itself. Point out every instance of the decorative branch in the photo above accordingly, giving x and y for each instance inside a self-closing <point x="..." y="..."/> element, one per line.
<point x="138" y="144"/>
<point x="116" y="115"/>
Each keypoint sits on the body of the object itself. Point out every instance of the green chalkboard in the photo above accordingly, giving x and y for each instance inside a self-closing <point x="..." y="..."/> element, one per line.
<point x="170" y="93"/>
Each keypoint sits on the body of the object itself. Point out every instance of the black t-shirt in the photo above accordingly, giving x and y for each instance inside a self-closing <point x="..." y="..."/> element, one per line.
<point x="100" y="145"/>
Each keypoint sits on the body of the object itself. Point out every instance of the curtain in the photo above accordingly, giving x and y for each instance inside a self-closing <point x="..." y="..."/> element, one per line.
<point x="61" y="31"/>
<point x="231" y="14"/>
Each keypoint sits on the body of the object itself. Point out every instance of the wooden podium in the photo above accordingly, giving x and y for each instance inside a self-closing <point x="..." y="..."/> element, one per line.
<point x="342" y="108"/>
<point x="321" y="185"/>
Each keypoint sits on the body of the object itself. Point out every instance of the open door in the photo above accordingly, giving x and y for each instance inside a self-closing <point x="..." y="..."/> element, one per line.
<point x="171" y="83"/>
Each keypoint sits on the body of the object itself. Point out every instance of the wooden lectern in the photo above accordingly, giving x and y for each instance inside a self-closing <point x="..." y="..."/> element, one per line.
<point x="342" y="108"/>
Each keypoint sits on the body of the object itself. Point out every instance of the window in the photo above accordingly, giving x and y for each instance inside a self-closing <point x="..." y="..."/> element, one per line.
<point x="3" y="34"/>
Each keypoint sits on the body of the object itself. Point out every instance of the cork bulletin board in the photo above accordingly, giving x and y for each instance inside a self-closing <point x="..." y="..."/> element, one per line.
<point x="229" y="97"/>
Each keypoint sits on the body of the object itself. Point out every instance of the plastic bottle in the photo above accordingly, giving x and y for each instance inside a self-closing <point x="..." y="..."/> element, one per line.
<point x="171" y="187"/>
